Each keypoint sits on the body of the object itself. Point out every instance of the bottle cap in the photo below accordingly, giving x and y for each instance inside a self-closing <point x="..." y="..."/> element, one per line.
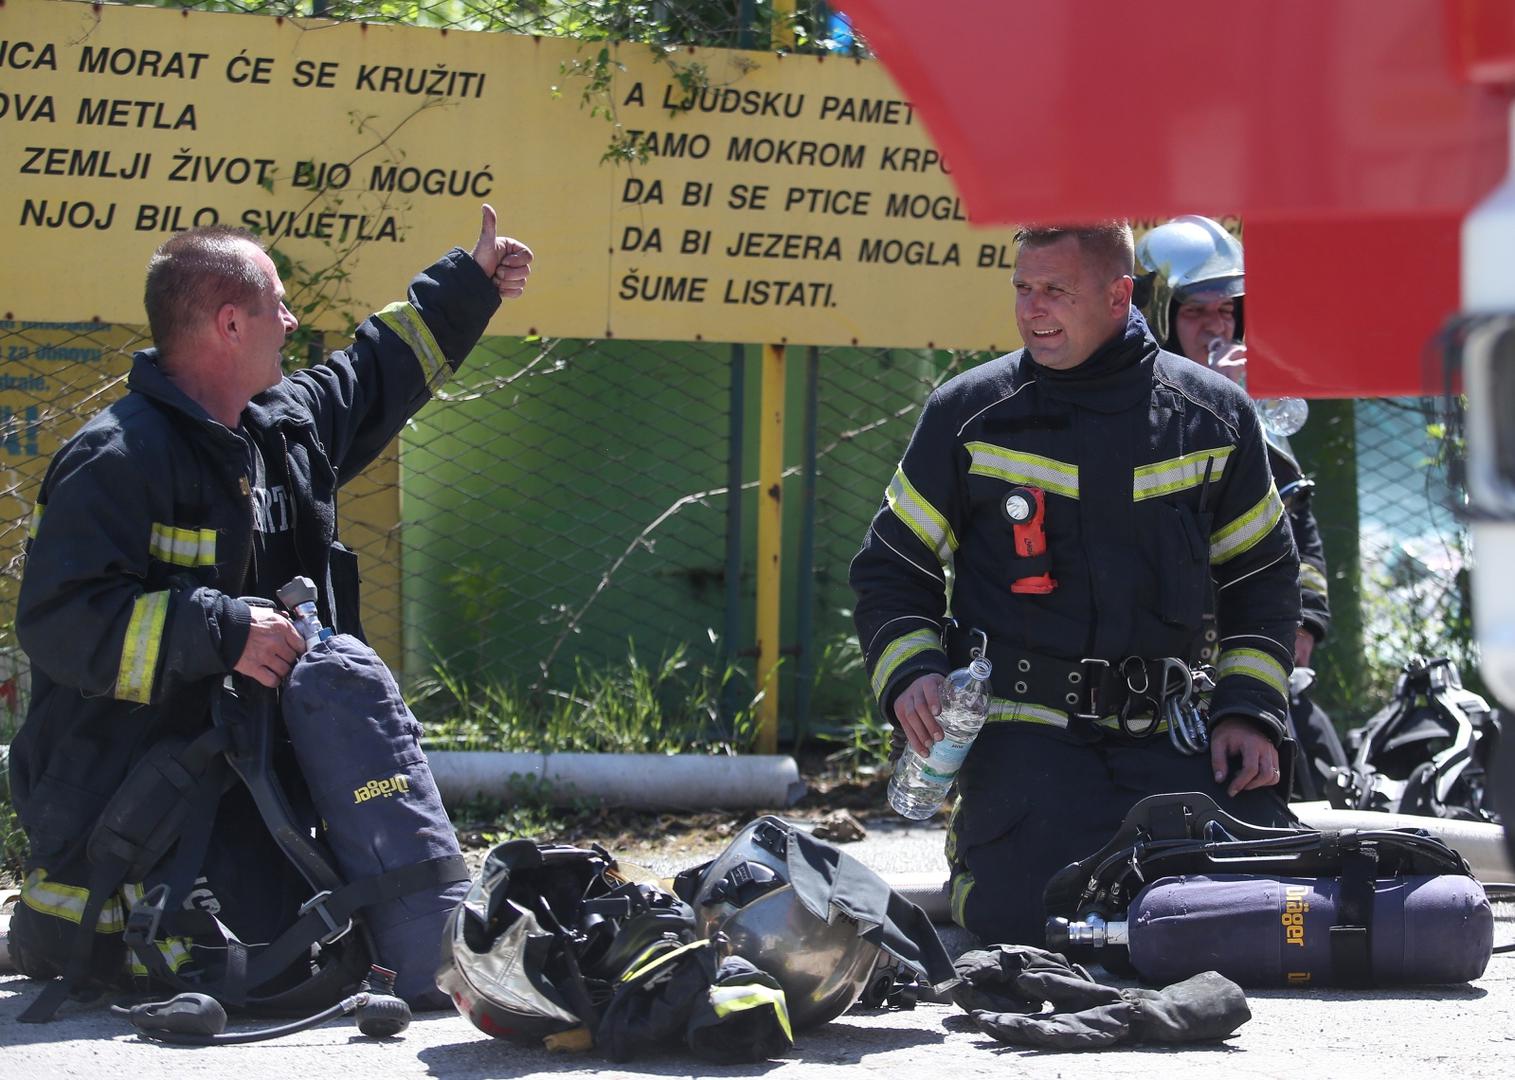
<point x="980" y="669"/>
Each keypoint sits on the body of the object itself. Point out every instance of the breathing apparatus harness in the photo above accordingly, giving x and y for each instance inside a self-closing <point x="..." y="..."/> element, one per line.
<point x="1429" y="751"/>
<point x="159" y="822"/>
<point x="1098" y="906"/>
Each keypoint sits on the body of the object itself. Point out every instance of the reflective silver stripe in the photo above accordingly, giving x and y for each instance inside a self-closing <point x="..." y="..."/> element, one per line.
<point x="1310" y="577"/>
<point x="1178" y="474"/>
<point x="36" y="522"/>
<point x="1254" y="664"/>
<point x="920" y="517"/>
<point x="405" y="320"/>
<point x="68" y="902"/>
<point x="182" y="547"/>
<point x="898" y="651"/>
<point x="1247" y="531"/>
<point x="733" y="999"/>
<point x="139" y="650"/>
<point x="1049" y="474"/>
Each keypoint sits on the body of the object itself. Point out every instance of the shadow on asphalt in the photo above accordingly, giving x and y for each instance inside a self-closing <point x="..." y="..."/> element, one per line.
<point x="837" y="1043"/>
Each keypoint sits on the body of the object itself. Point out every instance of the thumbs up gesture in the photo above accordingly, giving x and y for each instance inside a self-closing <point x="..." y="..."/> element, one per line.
<point x="506" y="261"/>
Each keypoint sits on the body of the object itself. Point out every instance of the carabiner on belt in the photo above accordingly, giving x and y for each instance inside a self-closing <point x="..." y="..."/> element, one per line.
<point x="1186" y="727"/>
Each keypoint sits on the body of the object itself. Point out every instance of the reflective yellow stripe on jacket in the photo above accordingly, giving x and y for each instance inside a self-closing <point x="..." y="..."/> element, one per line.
<point x="1049" y="474"/>
<point x="1247" y="531"/>
<point x="405" y="320"/>
<point x="1310" y="577"/>
<point x="898" y="651"/>
<point x="182" y="547"/>
<point x="727" y="1000"/>
<point x="1178" y="474"/>
<point x="920" y="517"/>
<point x="140" y="649"/>
<point x="1254" y="664"/>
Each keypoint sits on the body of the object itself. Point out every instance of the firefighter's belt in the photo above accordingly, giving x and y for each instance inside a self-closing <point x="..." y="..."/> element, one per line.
<point x="1090" y="692"/>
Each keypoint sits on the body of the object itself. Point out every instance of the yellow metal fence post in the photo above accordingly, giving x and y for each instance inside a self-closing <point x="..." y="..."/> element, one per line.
<point x="770" y="544"/>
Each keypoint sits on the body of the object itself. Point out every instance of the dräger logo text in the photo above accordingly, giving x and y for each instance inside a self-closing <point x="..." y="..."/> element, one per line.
<point x="1293" y="917"/>
<point x="396" y="784"/>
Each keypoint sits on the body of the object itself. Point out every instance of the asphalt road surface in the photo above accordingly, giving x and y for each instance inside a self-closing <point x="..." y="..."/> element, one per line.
<point x="1464" y="1032"/>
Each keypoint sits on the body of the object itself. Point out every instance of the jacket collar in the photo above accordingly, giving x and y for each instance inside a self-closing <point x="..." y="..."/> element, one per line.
<point x="148" y="379"/>
<point x="1114" y="378"/>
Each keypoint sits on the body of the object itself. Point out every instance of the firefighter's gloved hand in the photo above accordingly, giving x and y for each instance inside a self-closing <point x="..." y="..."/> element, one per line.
<point x="1030" y="997"/>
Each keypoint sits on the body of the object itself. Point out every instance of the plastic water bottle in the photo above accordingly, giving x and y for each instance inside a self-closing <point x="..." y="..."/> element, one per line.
<point x="1282" y="415"/>
<point x="920" y="783"/>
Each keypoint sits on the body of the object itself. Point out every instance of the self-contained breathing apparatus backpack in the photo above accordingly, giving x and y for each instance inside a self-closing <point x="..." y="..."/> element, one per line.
<point x="1430" y="751"/>
<point x="382" y="871"/>
<point x="1184" y="887"/>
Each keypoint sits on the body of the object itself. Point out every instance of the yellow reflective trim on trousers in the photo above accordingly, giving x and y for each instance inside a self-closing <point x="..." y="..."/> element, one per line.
<point x="727" y="1000"/>
<point x="898" y="651"/>
<point x="1002" y="710"/>
<point x="68" y="902"/>
<point x="1049" y="474"/>
<point x="36" y="521"/>
<point x="962" y="885"/>
<point x="920" y="517"/>
<point x="1254" y="664"/>
<point x="405" y="320"/>
<point x="139" y="649"/>
<point x="1247" y="531"/>
<point x="1311" y="577"/>
<point x="175" y="952"/>
<point x="182" y="547"/>
<point x="1178" y="474"/>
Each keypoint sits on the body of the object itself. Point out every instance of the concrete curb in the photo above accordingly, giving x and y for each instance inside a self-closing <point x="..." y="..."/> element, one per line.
<point x="635" y="781"/>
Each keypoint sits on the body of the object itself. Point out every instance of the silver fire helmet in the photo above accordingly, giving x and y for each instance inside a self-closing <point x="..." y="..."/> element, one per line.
<point x="536" y="944"/>
<point x="1188" y="258"/>
<point x="746" y="894"/>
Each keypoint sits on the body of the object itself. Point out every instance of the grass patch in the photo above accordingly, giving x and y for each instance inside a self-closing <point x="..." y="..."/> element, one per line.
<point x="672" y="706"/>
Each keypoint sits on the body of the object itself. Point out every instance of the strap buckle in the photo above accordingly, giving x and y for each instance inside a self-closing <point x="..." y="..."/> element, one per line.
<point x="317" y="903"/>
<point x="1092" y="672"/>
<point x="145" y="916"/>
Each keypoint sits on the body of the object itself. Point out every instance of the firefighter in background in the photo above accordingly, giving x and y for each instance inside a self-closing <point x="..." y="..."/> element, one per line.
<point x="1153" y="484"/>
<point x="1192" y="287"/>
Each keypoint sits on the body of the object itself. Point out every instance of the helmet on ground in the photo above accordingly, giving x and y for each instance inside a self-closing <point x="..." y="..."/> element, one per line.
<point x="1189" y="258"/>
<point x="536" y="945"/>
<point x="746" y="895"/>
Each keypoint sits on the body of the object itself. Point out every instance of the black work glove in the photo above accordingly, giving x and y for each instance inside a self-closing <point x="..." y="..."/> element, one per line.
<point x="1206" y="1006"/>
<point x="1018" y="984"/>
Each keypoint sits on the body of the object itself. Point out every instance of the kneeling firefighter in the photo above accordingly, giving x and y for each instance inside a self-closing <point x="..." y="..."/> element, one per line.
<point x="344" y="853"/>
<point x="1192" y="288"/>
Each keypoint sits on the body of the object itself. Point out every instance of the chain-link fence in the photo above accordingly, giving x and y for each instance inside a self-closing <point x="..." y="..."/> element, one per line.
<point x="566" y="505"/>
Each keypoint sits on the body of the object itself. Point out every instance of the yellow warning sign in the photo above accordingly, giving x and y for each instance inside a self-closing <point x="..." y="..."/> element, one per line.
<point x="787" y="199"/>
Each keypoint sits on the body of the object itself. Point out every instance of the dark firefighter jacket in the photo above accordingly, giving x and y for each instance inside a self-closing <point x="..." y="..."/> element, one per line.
<point x="140" y="543"/>
<point x="1314" y="599"/>
<point x="1156" y="480"/>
